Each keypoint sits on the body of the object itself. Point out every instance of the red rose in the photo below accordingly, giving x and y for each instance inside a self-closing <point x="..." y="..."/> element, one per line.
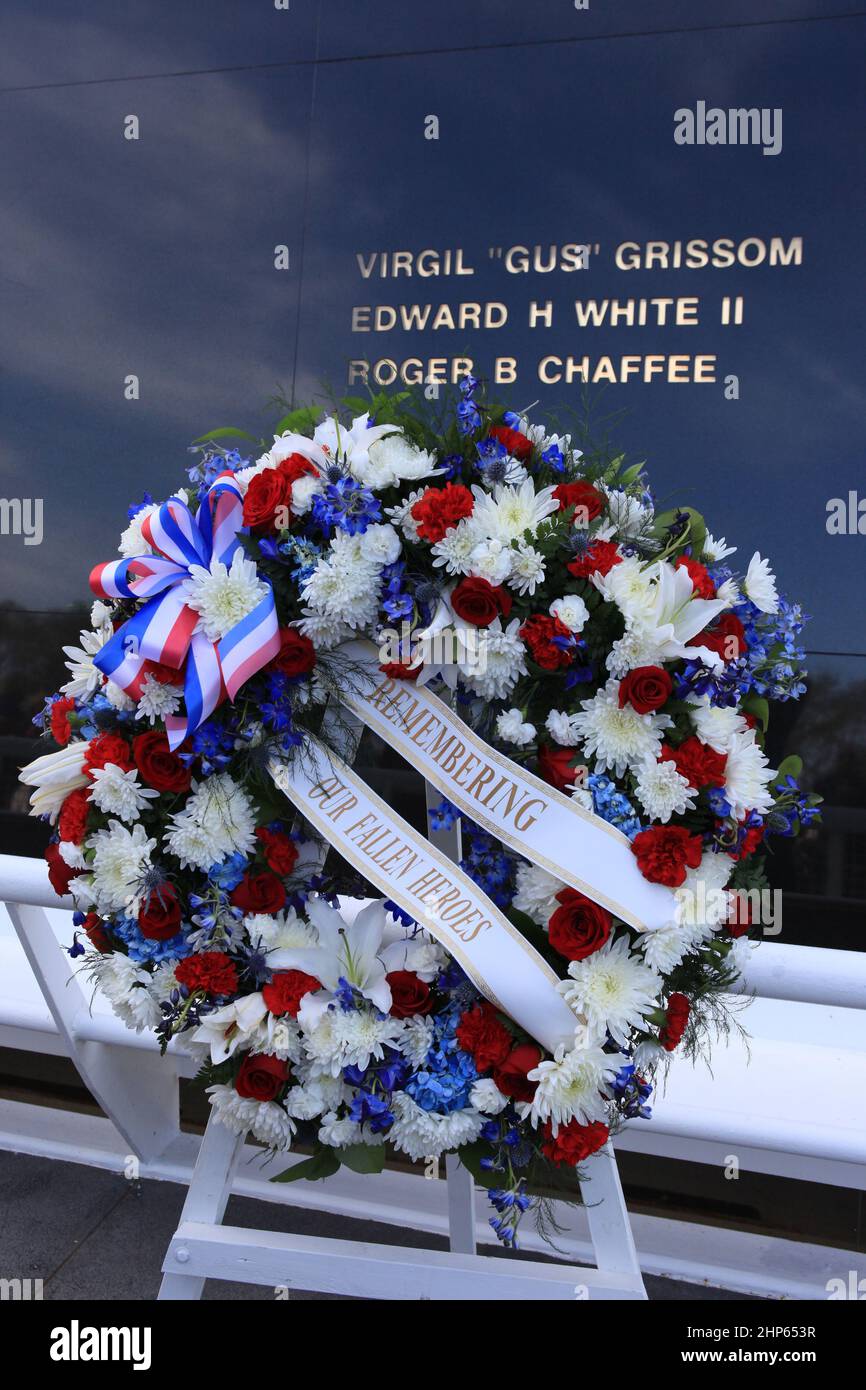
<point x="739" y="917"/>
<point x="511" y="1075"/>
<point x="700" y="764"/>
<point x="398" y="672"/>
<point x="550" y="642"/>
<point x="727" y="638"/>
<point x="61" y="729"/>
<point x="159" y="914"/>
<point x="105" y="749"/>
<point x="96" y="933"/>
<point x="286" y="990"/>
<point x="281" y="853"/>
<point x="598" y="558"/>
<point x="59" y="873"/>
<point x="587" y="500"/>
<point x="556" y="765"/>
<point x="297" y="655"/>
<point x="159" y="767"/>
<point x="516" y="444"/>
<point x="675" y="1024"/>
<point x="261" y="1076"/>
<point x="478" y="601"/>
<point x="267" y="491"/>
<point x="646" y="688"/>
<point x="574" y="1143"/>
<point x="72" y="821"/>
<point x="699" y="575"/>
<point x="211" y="971"/>
<point x="579" y="926"/>
<point x="259" y="891"/>
<point x="440" y="509"/>
<point x="665" y="852"/>
<point x="480" y="1033"/>
<point x="409" y="994"/>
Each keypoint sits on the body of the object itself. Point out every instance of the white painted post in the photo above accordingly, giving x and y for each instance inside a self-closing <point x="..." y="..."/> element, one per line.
<point x="137" y="1090"/>
<point x="607" y="1215"/>
<point x="209" y="1190"/>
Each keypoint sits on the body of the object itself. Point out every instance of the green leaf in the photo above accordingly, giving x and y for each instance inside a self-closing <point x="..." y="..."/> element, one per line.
<point x="229" y="430"/>
<point x="301" y="421"/>
<point x="470" y="1156"/>
<point x="363" y="1158"/>
<point x="759" y="707"/>
<point x="697" y="532"/>
<point x="323" y="1164"/>
<point x="792" y="766"/>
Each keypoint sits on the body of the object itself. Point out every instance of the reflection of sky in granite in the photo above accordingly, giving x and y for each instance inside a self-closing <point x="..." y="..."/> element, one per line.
<point x="155" y="257"/>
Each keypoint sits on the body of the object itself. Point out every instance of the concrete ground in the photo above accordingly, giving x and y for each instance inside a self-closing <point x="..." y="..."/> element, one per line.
<point x="89" y="1234"/>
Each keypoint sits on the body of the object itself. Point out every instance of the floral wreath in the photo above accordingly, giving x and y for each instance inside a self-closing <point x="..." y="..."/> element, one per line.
<point x="606" y="646"/>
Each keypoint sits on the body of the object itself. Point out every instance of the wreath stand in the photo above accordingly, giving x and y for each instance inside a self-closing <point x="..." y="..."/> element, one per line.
<point x="203" y="1248"/>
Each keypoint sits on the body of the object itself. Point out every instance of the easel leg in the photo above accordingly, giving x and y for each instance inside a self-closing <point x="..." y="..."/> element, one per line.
<point x="461" y="1206"/>
<point x="206" y="1201"/>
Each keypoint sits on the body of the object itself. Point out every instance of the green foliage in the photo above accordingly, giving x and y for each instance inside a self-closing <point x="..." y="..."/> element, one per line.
<point x="323" y="1164"/>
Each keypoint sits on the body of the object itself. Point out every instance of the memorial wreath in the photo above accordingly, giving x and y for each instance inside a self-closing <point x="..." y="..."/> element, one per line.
<point x="584" y="678"/>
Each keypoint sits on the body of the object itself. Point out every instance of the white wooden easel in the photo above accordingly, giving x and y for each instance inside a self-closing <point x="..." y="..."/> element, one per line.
<point x="202" y="1247"/>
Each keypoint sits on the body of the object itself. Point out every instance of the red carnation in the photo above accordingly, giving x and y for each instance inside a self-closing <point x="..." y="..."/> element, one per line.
<point x="96" y="933"/>
<point x="699" y="575"/>
<point x="675" y="1024"/>
<point x="556" y="765"/>
<point x="440" y="509"/>
<point x="665" y="852"/>
<point x="281" y="853"/>
<point x="750" y="841"/>
<point x="539" y="632"/>
<point x="579" y="926"/>
<point x="409" y="994"/>
<point x="646" y="688"/>
<point x="511" y="1075"/>
<point x="727" y="638"/>
<point x="700" y="764"/>
<point x="105" y="749"/>
<point x="59" y="873"/>
<point x="286" y="990"/>
<point x="261" y="1076"/>
<point x="586" y="500"/>
<point x="574" y="1143"/>
<point x="598" y="558"/>
<point x="160" y="768"/>
<point x="478" y="601"/>
<point x="165" y="675"/>
<point x="61" y="729"/>
<point x="515" y="443"/>
<point x="481" y="1034"/>
<point x="739" y="917"/>
<point x="398" y="672"/>
<point x="267" y="492"/>
<point x="297" y="655"/>
<point x="211" y="971"/>
<point x="259" y="891"/>
<point x="159" y="914"/>
<point x="72" y="821"/>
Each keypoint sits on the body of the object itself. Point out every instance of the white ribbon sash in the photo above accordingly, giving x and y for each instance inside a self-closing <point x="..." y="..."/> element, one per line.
<point x="518" y="808"/>
<point x="407" y="868"/>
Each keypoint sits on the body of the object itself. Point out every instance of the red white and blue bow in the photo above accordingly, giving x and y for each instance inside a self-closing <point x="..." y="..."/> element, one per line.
<point x="164" y="628"/>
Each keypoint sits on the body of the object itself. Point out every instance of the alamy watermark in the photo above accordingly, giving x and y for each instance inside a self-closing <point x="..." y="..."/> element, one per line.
<point x="736" y="126"/>
<point x="401" y="647"/>
<point x="22" y="516"/>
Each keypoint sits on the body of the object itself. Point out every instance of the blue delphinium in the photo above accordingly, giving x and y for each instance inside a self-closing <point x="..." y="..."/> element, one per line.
<point x="612" y="805"/>
<point x="348" y="505"/>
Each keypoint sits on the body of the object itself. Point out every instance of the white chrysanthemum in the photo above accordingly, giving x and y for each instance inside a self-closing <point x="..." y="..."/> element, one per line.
<point x="662" y="790"/>
<point x="157" y="700"/>
<point x="618" y="738"/>
<point x="634" y="648"/>
<point x="380" y="544"/>
<point x="315" y="1098"/>
<point x="223" y="597"/>
<point x="304" y="489"/>
<point x="119" y="793"/>
<point x="562" y="728"/>
<point x="571" y="611"/>
<point x="420" y="954"/>
<point x="324" y="630"/>
<point x="629" y="586"/>
<point x="217" y="820"/>
<point x="504" y="656"/>
<point x="747" y="776"/>
<point x="119" y="861"/>
<point x="132" y="542"/>
<point x="487" y="1097"/>
<point x="125" y="986"/>
<point x="424" y="1134"/>
<point x="394" y="459"/>
<point x="543" y="441"/>
<point x="117" y="698"/>
<point x="279" y="1036"/>
<point x="760" y="585"/>
<point x="612" y="988"/>
<point x="664" y="948"/>
<point x="571" y="1086"/>
<point x="53" y="776"/>
<point x="401" y="514"/>
<point x="527" y="569"/>
<point x="163" y="981"/>
<point x="72" y="854"/>
<point x="701" y="899"/>
<point x="265" y="1119"/>
<point x="492" y="560"/>
<point x="85" y="678"/>
<point x="416" y="1039"/>
<point x="507" y="512"/>
<point x="716" y="550"/>
<point x="627" y="515"/>
<point x="100" y="614"/>
<point x="337" y="1133"/>
<point x="536" y="892"/>
<point x="351" y="1038"/>
<point x="717" y="725"/>
<point x="345" y="584"/>
<point x="511" y="728"/>
<point x="282" y="931"/>
<point x="730" y="592"/>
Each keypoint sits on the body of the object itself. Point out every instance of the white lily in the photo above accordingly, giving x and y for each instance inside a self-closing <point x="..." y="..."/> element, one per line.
<point x="54" y="776"/>
<point x="226" y="1029"/>
<point x="351" y="953"/>
<point x="674" y="615"/>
